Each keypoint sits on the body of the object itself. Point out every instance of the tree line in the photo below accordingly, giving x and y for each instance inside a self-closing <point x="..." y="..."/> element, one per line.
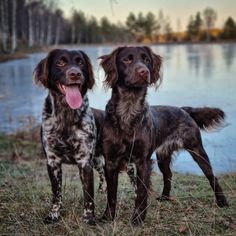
<point x="34" y="23"/>
<point x="201" y="26"/>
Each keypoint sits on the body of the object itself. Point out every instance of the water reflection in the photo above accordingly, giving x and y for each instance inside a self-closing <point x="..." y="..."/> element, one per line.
<point x="229" y="54"/>
<point x="194" y="58"/>
<point x="209" y="60"/>
<point x="201" y="59"/>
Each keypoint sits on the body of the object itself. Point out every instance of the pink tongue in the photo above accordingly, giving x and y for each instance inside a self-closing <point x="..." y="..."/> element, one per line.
<point x="73" y="97"/>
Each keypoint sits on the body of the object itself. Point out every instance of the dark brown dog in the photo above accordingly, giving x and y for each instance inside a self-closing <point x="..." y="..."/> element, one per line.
<point x="69" y="132"/>
<point x="133" y="130"/>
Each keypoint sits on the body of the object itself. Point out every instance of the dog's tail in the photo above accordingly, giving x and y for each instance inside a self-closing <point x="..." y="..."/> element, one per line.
<point x="206" y="118"/>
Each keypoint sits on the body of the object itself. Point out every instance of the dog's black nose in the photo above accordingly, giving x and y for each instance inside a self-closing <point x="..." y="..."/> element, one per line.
<point x="74" y="73"/>
<point x="142" y="72"/>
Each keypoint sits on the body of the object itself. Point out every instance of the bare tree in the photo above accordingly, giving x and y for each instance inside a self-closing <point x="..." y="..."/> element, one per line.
<point x="14" y="30"/>
<point x="178" y="30"/>
<point x="4" y="24"/>
<point x="31" y="4"/>
<point x="73" y="26"/>
<point x="30" y="39"/>
<point x="167" y="29"/>
<point x="58" y="14"/>
<point x="78" y="25"/>
<point x="210" y="16"/>
<point x="42" y="34"/>
<point x="161" y="21"/>
<point x="49" y="29"/>
<point x="50" y="22"/>
<point x="179" y="25"/>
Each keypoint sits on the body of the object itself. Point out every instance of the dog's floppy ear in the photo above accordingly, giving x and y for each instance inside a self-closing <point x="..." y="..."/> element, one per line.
<point x="40" y="74"/>
<point x="90" y="81"/>
<point x="108" y="64"/>
<point x="156" y="66"/>
<point x="42" y="70"/>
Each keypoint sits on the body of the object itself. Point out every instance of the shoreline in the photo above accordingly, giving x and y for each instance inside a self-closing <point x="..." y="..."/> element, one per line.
<point x="14" y="56"/>
<point x="22" y="53"/>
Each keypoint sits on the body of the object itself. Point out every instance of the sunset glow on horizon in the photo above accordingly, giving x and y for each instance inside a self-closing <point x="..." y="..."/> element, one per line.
<point x="178" y="11"/>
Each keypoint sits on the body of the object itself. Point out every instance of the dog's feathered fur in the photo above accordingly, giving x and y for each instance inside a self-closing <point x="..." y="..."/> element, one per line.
<point x="69" y="135"/>
<point x="133" y="130"/>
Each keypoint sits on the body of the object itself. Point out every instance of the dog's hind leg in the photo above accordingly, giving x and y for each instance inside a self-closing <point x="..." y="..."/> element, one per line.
<point x="164" y="166"/>
<point x="200" y="156"/>
<point x="55" y="175"/>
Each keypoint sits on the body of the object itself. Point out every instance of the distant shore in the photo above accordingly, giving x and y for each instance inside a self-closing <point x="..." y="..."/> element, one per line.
<point x="22" y="53"/>
<point x="14" y="56"/>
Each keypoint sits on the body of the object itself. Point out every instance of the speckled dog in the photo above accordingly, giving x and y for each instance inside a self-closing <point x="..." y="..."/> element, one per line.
<point x="68" y="129"/>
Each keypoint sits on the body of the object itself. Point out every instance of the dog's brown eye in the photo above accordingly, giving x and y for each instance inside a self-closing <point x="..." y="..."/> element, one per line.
<point x="80" y="62"/>
<point x="128" y="59"/>
<point x="61" y="63"/>
<point x="145" y="59"/>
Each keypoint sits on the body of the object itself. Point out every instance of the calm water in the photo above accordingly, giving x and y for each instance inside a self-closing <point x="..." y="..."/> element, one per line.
<point x="193" y="75"/>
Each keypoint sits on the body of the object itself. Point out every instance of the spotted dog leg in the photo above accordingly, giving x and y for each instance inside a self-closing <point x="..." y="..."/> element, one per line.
<point x="86" y="176"/>
<point x="131" y="171"/>
<point x="102" y="188"/>
<point x="99" y="163"/>
<point x="55" y="175"/>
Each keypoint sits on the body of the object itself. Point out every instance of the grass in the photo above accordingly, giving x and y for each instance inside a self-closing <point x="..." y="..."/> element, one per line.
<point x="25" y="196"/>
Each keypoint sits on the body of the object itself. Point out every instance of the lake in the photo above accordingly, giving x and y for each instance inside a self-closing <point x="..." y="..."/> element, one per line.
<point x="193" y="75"/>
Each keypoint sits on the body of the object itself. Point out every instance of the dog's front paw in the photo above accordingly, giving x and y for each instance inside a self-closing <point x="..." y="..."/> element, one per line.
<point x="167" y="198"/>
<point x="136" y="220"/>
<point x="102" y="187"/>
<point x="89" y="220"/>
<point x="88" y="217"/>
<point x="51" y="218"/>
<point x="106" y="217"/>
<point x="222" y="202"/>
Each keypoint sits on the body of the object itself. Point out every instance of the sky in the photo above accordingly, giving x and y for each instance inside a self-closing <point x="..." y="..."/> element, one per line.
<point x="177" y="10"/>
